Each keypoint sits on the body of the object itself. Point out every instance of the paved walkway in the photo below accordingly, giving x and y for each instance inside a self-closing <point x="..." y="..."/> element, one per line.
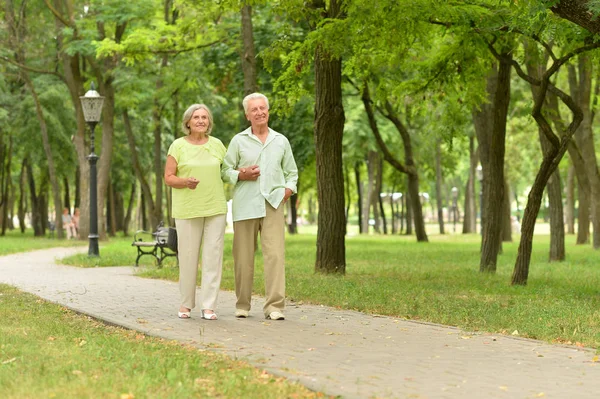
<point x="344" y="353"/>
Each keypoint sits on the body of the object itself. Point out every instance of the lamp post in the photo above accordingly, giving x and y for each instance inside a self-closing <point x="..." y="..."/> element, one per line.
<point x="92" y="108"/>
<point x="454" y="206"/>
<point x="480" y="178"/>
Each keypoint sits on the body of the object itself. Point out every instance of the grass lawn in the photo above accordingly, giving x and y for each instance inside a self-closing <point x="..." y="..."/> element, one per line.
<point x="47" y="351"/>
<point x="14" y="242"/>
<point x="437" y="282"/>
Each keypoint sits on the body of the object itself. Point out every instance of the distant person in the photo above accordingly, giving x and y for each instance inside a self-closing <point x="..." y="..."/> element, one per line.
<point x="75" y="220"/>
<point x="260" y="164"/>
<point x="199" y="209"/>
<point x="68" y="225"/>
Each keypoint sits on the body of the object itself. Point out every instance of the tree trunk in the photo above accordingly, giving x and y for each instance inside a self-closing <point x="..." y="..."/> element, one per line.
<point x="585" y="138"/>
<point x="557" y="227"/>
<point x="36" y="218"/>
<point x="374" y="189"/>
<point x="22" y="208"/>
<point x="359" y="195"/>
<point x="157" y="210"/>
<point x="329" y="128"/>
<point x="127" y="219"/>
<point x="550" y="162"/>
<point x="578" y="12"/>
<point x="583" y="217"/>
<point x="438" y="186"/>
<point x="49" y="158"/>
<point x="492" y="162"/>
<point x="537" y="67"/>
<point x="507" y="216"/>
<point x="6" y="167"/>
<point x="293" y="225"/>
<point x="409" y="212"/>
<point x="137" y="169"/>
<point x="470" y="213"/>
<point x="409" y="167"/>
<point x="111" y="210"/>
<point x="248" y="54"/>
<point x="578" y="167"/>
<point x="570" y="200"/>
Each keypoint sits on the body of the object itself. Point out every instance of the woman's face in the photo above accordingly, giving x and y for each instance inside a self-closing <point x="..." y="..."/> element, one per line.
<point x="199" y="122"/>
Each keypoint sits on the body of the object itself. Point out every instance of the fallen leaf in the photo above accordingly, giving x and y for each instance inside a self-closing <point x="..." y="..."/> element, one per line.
<point x="9" y="360"/>
<point x="503" y="388"/>
<point x="77" y="372"/>
<point x="595" y="359"/>
<point x="539" y="395"/>
<point x="466" y="337"/>
<point x="51" y="338"/>
<point x="264" y="374"/>
<point x="311" y="349"/>
<point x="127" y="396"/>
<point x="83" y="342"/>
<point x="516" y="332"/>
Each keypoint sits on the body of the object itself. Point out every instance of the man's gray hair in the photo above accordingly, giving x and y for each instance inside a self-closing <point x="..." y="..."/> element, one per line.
<point x="253" y="96"/>
<point x="187" y="115"/>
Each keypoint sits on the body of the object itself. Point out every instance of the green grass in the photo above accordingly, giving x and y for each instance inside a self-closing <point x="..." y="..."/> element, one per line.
<point x="47" y="351"/>
<point x="436" y="282"/>
<point x="14" y="241"/>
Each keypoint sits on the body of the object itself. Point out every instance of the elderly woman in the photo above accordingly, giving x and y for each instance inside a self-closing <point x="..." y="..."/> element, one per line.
<point x="199" y="209"/>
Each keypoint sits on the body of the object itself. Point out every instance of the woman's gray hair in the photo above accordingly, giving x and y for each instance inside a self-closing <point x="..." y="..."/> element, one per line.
<point x="187" y="115"/>
<point x="253" y="96"/>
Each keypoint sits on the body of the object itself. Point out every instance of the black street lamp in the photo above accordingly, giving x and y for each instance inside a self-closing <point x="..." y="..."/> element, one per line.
<point x="454" y="206"/>
<point x="480" y="178"/>
<point x="92" y="108"/>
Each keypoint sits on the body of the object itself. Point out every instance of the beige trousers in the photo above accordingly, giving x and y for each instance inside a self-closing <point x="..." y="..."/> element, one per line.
<point x="272" y="239"/>
<point x="208" y="233"/>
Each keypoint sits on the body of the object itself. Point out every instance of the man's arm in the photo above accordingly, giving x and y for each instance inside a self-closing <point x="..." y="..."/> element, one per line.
<point x="290" y="170"/>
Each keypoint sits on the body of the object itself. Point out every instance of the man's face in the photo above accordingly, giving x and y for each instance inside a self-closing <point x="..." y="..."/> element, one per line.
<point x="258" y="113"/>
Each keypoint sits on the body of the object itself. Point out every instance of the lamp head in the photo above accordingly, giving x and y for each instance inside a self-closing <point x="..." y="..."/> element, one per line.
<point x="92" y="105"/>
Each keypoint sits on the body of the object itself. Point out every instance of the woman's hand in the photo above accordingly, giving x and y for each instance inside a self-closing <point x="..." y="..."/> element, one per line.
<point x="191" y="183"/>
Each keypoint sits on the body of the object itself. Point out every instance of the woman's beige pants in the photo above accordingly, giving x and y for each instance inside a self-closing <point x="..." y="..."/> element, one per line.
<point x="208" y="233"/>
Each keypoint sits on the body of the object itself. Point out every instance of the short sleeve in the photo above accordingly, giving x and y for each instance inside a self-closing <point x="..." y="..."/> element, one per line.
<point x="175" y="151"/>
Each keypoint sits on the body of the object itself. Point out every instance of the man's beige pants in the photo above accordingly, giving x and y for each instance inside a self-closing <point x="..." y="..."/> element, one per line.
<point x="191" y="233"/>
<point x="272" y="239"/>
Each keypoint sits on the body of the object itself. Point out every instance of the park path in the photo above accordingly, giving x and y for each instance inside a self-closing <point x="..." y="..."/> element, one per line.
<point x="337" y="352"/>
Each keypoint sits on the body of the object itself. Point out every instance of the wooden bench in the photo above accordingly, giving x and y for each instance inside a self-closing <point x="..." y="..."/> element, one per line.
<point x="153" y="244"/>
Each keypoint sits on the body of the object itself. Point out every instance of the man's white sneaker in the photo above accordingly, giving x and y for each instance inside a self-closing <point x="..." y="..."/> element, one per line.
<point x="276" y="316"/>
<point x="241" y="313"/>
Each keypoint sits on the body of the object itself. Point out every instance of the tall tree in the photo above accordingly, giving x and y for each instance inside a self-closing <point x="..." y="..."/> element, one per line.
<point x="407" y="167"/>
<point x="329" y="128"/>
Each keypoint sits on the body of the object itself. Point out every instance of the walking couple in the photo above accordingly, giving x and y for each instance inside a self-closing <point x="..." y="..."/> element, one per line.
<point x="260" y="164"/>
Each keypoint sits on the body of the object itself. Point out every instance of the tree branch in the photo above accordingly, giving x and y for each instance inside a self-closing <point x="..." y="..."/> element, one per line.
<point x="30" y="69"/>
<point x="57" y="14"/>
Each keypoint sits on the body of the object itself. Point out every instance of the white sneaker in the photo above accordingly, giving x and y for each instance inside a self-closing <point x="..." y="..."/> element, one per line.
<point x="241" y="313"/>
<point x="276" y="316"/>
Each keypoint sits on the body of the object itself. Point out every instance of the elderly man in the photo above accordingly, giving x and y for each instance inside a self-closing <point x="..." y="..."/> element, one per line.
<point x="260" y="164"/>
